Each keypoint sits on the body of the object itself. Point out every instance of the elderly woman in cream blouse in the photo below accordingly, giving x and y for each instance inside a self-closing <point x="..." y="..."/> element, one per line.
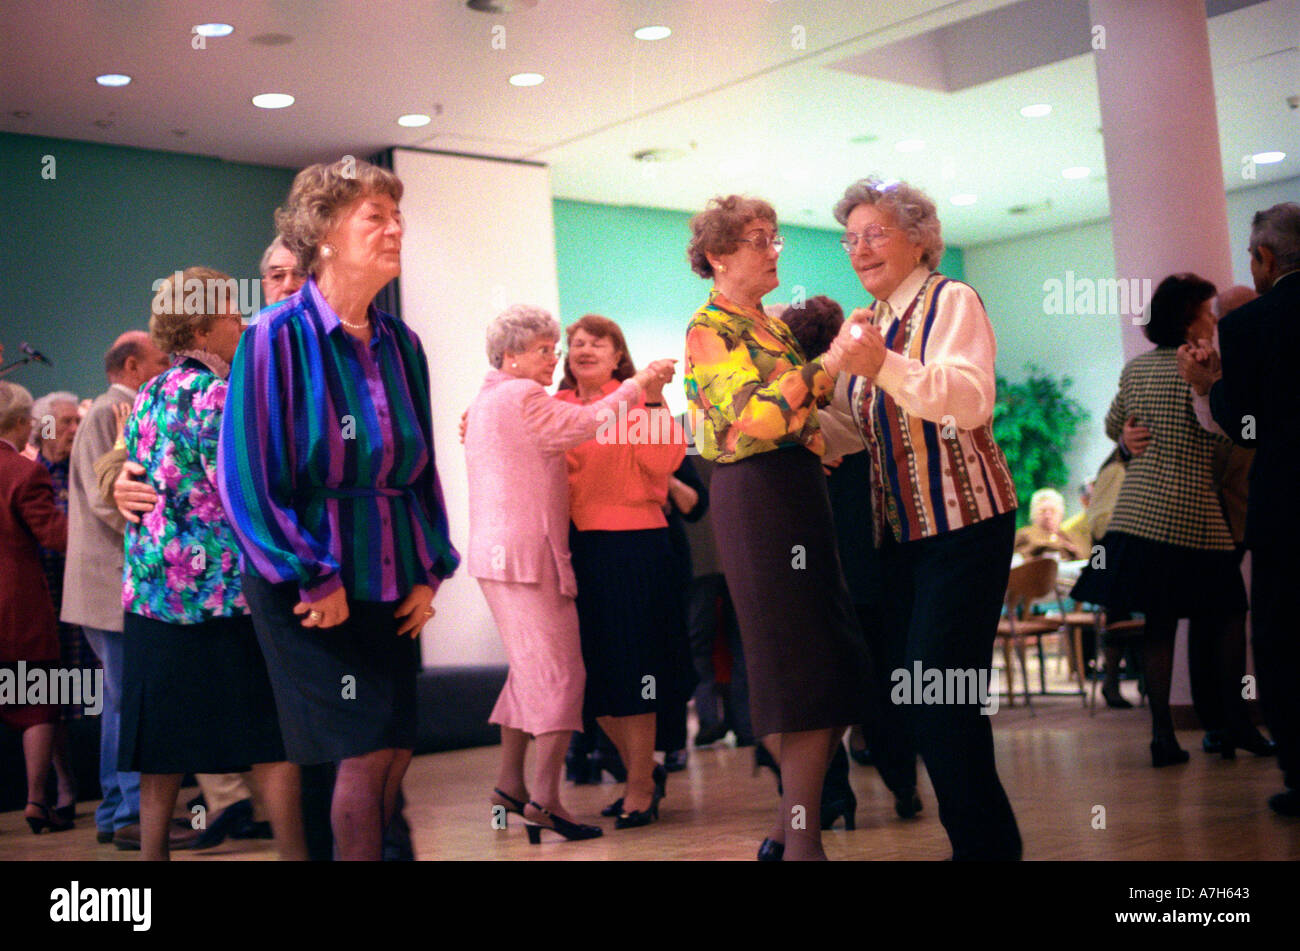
<point x="519" y="551"/>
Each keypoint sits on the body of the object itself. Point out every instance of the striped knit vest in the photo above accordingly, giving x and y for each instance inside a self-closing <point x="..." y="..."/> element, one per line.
<point x="927" y="477"/>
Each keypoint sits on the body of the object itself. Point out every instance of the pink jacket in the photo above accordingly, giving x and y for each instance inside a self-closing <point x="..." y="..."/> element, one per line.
<point x="518" y="479"/>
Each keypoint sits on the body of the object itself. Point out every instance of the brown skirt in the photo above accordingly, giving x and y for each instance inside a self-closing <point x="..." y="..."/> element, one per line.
<point x="806" y="658"/>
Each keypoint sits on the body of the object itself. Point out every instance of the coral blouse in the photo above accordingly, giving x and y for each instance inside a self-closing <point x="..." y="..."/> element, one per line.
<point x="619" y="481"/>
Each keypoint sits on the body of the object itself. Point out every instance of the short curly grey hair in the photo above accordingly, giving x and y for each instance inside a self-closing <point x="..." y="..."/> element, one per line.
<point x="515" y="328"/>
<point x="907" y="205"/>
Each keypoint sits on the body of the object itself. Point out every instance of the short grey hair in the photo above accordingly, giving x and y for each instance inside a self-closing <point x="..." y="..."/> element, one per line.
<point x="45" y="407"/>
<point x="1278" y="229"/>
<point x="1045" y="497"/>
<point x="266" y="255"/>
<point x="909" y="206"/>
<point x="15" y="405"/>
<point x="516" y="327"/>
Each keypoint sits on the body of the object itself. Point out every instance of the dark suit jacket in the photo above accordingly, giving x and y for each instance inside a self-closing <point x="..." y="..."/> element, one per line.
<point x="1258" y="343"/>
<point x="28" y="516"/>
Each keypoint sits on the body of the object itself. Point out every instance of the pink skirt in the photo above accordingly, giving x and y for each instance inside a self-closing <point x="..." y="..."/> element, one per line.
<point x="539" y="625"/>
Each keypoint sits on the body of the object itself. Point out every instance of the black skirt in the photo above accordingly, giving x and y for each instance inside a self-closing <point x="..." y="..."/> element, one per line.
<point x="807" y="661"/>
<point x="630" y="619"/>
<point x="1150" y="577"/>
<point x="341" y="691"/>
<point x="195" y="698"/>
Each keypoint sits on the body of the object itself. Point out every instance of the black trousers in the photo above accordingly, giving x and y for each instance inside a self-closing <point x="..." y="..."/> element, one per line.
<point x="1277" y="653"/>
<point x="943" y="596"/>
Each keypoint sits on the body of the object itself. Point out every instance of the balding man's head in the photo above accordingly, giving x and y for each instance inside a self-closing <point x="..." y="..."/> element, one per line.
<point x="133" y="359"/>
<point x="1233" y="297"/>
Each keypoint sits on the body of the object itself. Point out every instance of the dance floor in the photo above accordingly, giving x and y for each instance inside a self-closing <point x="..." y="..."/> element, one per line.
<point x="1082" y="788"/>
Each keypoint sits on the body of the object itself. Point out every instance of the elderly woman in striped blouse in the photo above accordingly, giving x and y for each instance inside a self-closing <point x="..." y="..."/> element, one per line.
<point x="921" y="402"/>
<point x="327" y="473"/>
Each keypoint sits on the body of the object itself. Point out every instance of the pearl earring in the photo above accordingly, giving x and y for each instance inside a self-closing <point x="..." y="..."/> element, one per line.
<point x="722" y="267"/>
<point x="328" y="251"/>
<point x="513" y="365"/>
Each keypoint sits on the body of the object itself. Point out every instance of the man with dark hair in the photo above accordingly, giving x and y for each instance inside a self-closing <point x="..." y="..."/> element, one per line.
<point x="1256" y="403"/>
<point x="92" y="580"/>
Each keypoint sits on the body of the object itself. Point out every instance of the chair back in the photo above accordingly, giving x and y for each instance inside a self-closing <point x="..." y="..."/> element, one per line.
<point x="1030" y="581"/>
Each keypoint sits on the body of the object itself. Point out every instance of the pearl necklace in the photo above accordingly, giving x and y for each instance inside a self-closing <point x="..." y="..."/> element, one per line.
<point x="361" y="326"/>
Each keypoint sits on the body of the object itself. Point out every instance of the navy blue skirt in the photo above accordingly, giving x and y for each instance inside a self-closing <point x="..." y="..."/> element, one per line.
<point x="341" y="691"/>
<point x="195" y="698"/>
<point x="630" y="619"/>
<point x="1150" y="577"/>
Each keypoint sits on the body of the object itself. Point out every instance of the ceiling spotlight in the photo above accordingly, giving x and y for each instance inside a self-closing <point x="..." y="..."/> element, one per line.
<point x="526" y="79"/>
<point x="1076" y="171"/>
<point x="1267" y="158"/>
<point x="214" y="29"/>
<point x="500" y="6"/>
<point x="964" y="199"/>
<point x="910" y="145"/>
<point x="1036" y="111"/>
<point x="273" y="100"/>
<point x="113" y="79"/>
<point x="413" y="120"/>
<point x="653" y="33"/>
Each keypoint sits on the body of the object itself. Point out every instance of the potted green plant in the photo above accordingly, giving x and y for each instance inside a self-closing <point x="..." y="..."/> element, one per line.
<point x="1034" y="421"/>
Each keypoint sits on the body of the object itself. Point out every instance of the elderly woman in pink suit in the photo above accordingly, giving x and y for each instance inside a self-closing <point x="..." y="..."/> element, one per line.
<point x="515" y="441"/>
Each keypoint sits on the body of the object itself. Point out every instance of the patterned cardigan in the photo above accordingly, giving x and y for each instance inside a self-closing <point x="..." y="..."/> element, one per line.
<point x="1169" y="493"/>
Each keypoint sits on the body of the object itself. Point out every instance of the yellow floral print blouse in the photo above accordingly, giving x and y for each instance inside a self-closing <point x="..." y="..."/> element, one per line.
<point x="748" y="384"/>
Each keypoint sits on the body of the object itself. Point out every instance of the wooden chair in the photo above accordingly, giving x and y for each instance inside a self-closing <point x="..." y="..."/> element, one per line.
<point x="1030" y="581"/>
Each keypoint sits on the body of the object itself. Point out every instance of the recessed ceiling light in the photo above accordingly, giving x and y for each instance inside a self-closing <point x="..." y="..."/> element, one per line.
<point x="273" y="100"/>
<point x="1036" y="111"/>
<point x="113" y="79"/>
<point x="1267" y="158"/>
<point x="1076" y="171"/>
<point x="964" y="199"/>
<point x="653" y="33"/>
<point x="910" y="145"/>
<point x="413" y="120"/>
<point x="214" y="29"/>
<point x="526" y="79"/>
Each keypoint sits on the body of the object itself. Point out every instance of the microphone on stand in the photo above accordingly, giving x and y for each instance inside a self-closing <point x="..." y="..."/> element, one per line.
<point x="36" y="355"/>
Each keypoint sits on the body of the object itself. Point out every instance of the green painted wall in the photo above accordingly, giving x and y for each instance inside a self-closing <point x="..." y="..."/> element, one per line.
<point x="80" y="251"/>
<point x="629" y="264"/>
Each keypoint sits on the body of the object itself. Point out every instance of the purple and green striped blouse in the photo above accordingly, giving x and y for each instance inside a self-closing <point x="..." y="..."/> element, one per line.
<point x="326" y="463"/>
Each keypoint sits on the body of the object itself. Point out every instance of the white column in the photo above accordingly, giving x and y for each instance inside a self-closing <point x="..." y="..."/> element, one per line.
<point x="1168" y="206"/>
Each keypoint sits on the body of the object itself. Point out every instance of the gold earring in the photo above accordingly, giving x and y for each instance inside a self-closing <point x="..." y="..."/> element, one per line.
<point x="722" y="267"/>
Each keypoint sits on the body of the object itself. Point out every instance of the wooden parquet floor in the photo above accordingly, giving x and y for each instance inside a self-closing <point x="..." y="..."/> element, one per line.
<point x="1058" y="766"/>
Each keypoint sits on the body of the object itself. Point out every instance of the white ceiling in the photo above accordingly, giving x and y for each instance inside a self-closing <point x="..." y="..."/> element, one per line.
<point x="745" y="88"/>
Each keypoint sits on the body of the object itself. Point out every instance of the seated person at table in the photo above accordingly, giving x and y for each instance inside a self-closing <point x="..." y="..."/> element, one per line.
<point x="1043" y="535"/>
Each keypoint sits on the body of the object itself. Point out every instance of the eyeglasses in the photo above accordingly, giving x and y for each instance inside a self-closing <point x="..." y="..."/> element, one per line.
<point x="284" y="273"/>
<point x="762" y="242"/>
<point x="874" y="237"/>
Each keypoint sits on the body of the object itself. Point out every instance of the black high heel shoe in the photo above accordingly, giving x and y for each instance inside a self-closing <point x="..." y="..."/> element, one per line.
<point x="643" y="817"/>
<point x="764" y="758"/>
<point x="771" y="851"/>
<point x="1258" y="744"/>
<point x="47" y="820"/>
<point x="847" y="808"/>
<point x="1165" y="751"/>
<point x="838" y="798"/>
<point x="573" y="831"/>
<point x="660" y="776"/>
<point x="507" y="802"/>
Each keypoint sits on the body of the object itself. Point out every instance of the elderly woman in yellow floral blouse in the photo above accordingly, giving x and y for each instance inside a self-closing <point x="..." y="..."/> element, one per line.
<point x="754" y="401"/>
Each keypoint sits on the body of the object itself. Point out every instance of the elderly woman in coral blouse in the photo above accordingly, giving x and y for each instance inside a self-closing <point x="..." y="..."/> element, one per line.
<point x="519" y="551"/>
